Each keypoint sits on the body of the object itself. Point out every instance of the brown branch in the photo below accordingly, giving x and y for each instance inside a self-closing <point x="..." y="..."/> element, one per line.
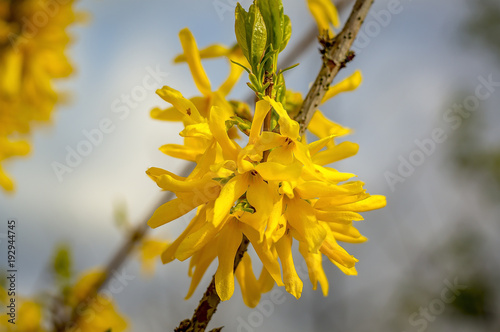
<point x="336" y="54"/>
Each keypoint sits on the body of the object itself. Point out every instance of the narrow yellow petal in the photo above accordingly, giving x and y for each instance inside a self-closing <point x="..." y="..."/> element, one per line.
<point x="196" y="240"/>
<point x="183" y="105"/>
<point x="288" y="127"/>
<point x="266" y="281"/>
<point x="201" y="261"/>
<point x="217" y="124"/>
<point x="170" y="211"/>
<point x="371" y="203"/>
<point x="262" y="107"/>
<point x="322" y="127"/>
<point x="229" y="242"/>
<point x="272" y="171"/>
<point x="293" y="284"/>
<point x="336" y="153"/>
<point x="250" y="288"/>
<point x="193" y="59"/>
<point x="300" y="214"/>
<point x="168" y="114"/>
<point x="348" y="84"/>
<point x="339" y="217"/>
<point x="314" y="268"/>
<point x="231" y="191"/>
<point x="169" y="254"/>
<point x="268" y="258"/>
<point x="209" y="52"/>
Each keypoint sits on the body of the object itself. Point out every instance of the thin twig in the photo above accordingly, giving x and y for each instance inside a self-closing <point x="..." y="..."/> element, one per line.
<point x="335" y="55"/>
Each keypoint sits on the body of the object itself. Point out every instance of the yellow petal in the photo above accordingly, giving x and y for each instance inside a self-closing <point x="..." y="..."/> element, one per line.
<point x="170" y="211"/>
<point x="169" y="254"/>
<point x="302" y="218"/>
<point x="183" y="105"/>
<point x="200" y="261"/>
<point x="326" y="174"/>
<point x="193" y="59"/>
<point x="266" y="281"/>
<point x="196" y="240"/>
<point x="155" y="172"/>
<point x="231" y="191"/>
<point x="217" y="124"/>
<point x="262" y="107"/>
<point x="267" y="257"/>
<point x="371" y="203"/>
<point x="347" y="233"/>
<point x="314" y="268"/>
<point x="338" y="152"/>
<point x="5" y="181"/>
<point x="328" y="203"/>
<point x="314" y="189"/>
<point x="293" y="284"/>
<point x="288" y="127"/>
<point x="250" y="288"/>
<point x="324" y="13"/>
<point x="349" y="84"/>
<point x="229" y="242"/>
<point x="182" y="151"/>
<point x="168" y="114"/>
<point x="322" y="127"/>
<point x="209" y="52"/>
<point x="340" y="217"/>
<point x="234" y="73"/>
<point x="272" y="171"/>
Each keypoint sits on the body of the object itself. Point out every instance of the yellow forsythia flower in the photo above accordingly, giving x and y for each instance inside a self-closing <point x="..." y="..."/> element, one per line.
<point x="33" y="41"/>
<point x="325" y="14"/>
<point x="290" y="196"/>
<point x="100" y="314"/>
<point x="150" y="250"/>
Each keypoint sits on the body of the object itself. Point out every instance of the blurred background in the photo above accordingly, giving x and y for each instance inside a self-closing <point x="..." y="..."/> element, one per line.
<point x="426" y="118"/>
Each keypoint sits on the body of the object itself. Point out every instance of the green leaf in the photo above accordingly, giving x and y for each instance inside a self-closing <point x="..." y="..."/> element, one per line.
<point x="287" y="32"/>
<point x="240" y="29"/>
<point x="256" y="36"/>
<point x="272" y="13"/>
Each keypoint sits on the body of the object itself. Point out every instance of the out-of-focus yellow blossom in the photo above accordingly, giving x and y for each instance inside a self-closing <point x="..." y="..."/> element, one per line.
<point x="9" y="149"/>
<point x="325" y="14"/>
<point x="150" y="250"/>
<point x="100" y="314"/>
<point x="33" y="41"/>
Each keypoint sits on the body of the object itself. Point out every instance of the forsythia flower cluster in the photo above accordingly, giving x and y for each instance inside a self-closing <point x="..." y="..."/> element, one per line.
<point x="273" y="189"/>
<point x="33" y="40"/>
